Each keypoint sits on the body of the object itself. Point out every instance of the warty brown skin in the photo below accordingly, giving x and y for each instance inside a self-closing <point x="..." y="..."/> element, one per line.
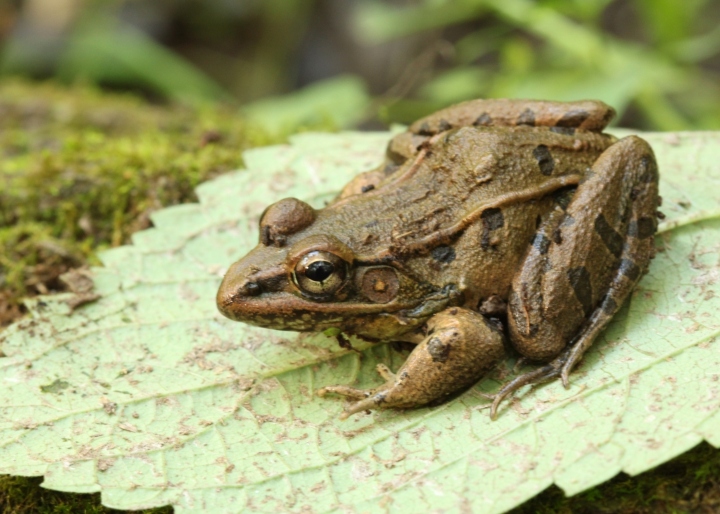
<point x="524" y="203"/>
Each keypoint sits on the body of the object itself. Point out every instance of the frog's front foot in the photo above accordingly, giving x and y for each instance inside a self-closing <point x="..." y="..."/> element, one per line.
<point x="460" y="347"/>
<point x="367" y="399"/>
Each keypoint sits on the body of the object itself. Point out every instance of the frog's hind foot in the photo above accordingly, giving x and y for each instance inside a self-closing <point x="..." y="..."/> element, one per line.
<point x="544" y="373"/>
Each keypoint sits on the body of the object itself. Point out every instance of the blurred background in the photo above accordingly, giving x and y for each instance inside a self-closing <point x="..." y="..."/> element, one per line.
<point x="369" y="62"/>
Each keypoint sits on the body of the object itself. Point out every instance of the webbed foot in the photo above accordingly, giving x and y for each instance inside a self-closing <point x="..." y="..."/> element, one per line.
<point x="561" y="367"/>
<point x="542" y="374"/>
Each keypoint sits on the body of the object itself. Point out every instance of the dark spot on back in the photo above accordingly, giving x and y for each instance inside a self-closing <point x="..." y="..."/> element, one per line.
<point x="444" y="254"/>
<point x="425" y="129"/>
<point x="492" y="219"/>
<point x="613" y="241"/>
<point x="566" y="131"/>
<point x="545" y="159"/>
<point x="629" y="269"/>
<point x="573" y="118"/>
<point x="483" y="120"/>
<point x="444" y="125"/>
<point x="541" y="243"/>
<point x="367" y="188"/>
<point x="437" y="350"/>
<point x="642" y="228"/>
<point x="580" y="281"/>
<point x="649" y="170"/>
<point x="527" y="117"/>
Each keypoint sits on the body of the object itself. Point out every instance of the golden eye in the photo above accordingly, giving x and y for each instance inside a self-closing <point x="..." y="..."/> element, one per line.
<point x="320" y="273"/>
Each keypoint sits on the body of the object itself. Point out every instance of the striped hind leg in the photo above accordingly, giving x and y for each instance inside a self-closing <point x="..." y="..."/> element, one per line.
<point x="574" y="280"/>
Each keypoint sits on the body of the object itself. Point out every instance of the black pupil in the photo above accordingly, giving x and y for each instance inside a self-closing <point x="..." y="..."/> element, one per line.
<point x="319" y="270"/>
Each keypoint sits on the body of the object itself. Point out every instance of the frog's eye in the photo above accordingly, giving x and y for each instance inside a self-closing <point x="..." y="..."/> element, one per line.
<point x="320" y="273"/>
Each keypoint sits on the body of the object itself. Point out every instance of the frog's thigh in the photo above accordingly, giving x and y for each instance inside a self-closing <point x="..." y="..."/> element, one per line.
<point x="461" y="346"/>
<point x="575" y="279"/>
<point x="584" y="115"/>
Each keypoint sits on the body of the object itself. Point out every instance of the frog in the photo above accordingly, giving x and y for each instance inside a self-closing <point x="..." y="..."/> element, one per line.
<point x="492" y="227"/>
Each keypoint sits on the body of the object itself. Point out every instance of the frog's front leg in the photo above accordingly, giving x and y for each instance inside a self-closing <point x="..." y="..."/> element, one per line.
<point x="584" y="263"/>
<point x="460" y="347"/>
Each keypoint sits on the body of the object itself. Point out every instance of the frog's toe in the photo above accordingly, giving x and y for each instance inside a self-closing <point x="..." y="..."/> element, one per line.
<point x="374" y="401"/>
<point x="350" y="392"/>
<point x="385" y="372"/>
<point x="543" y="374"/>
<point x="367" y="400"/>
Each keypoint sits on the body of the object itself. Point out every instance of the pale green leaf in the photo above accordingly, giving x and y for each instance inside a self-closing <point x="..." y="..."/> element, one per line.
<point x="151" y="397"/>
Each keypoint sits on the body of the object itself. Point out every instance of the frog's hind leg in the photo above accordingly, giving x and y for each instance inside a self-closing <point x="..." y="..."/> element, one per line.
<point x="460" y="347"/>
<point x="574" y="280"/>
<point x="590" y="115"/>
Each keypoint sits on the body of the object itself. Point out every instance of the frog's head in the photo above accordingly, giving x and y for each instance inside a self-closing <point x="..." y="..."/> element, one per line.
<point x="299" y="278"/>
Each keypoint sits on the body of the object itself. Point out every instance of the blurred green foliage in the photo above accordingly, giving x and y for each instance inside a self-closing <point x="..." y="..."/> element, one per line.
<point x="656" y="61"/>
<point x="566" y="49"/>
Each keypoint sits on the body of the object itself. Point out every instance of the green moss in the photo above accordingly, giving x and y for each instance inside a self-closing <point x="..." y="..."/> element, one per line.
<point x="81" y="170"/>
<point x="689" y="483"/>
<point x="22" y="495"/>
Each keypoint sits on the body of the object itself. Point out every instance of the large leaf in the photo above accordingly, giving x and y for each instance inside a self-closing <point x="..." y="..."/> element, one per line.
<point x="151" y="397"/>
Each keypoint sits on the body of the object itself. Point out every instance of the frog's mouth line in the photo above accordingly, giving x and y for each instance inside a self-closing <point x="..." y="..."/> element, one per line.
<point x="288" y="305"/>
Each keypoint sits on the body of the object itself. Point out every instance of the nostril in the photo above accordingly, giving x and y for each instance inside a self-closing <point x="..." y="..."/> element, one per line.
<point x="251" y="289"/>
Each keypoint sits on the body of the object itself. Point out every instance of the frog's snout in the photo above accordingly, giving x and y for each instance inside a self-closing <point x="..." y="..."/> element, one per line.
<point x="237" y="297"/>
<point x="231" y="297"/>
